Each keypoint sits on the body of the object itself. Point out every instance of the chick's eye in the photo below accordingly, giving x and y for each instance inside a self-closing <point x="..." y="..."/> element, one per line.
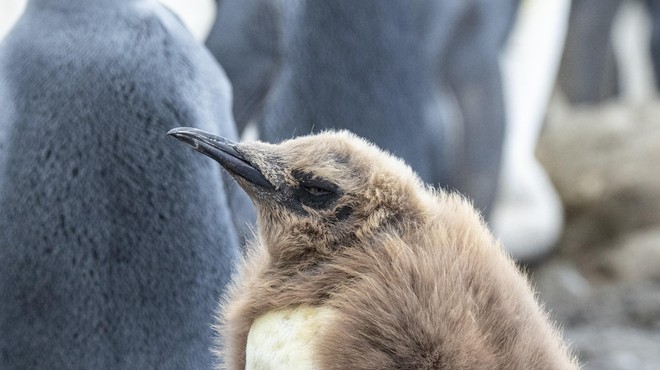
<point x="317" y="191"/>
<point x="313" y="191"/>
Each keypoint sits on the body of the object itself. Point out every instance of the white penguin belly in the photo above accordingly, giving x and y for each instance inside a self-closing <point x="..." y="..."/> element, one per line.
<point x="286" y="339"/>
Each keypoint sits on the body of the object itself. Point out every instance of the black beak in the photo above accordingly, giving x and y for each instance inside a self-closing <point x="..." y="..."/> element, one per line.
<point x="223" y="151"/>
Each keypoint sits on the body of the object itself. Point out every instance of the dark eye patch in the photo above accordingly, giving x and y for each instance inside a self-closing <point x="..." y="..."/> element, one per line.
<point x="344" y="212"/>
<point x="315" y="192"/>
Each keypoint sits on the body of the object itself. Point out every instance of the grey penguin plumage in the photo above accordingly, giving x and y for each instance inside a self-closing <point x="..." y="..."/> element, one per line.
<point x="360" y="66"/>
<point x="358" y="264"/>
<point x="114" y="243"/>
<point x="469" y="68"/>
<point x="246" y="39"/>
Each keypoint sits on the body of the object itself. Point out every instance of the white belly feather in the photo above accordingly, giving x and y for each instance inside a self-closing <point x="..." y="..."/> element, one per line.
<point x="286" y="339"/>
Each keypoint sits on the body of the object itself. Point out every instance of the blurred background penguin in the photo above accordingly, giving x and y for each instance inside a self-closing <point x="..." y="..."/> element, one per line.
<point x="114" y="245"/>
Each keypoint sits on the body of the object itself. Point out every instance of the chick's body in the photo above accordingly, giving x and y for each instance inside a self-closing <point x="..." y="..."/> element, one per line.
<point x="396" y="275"/>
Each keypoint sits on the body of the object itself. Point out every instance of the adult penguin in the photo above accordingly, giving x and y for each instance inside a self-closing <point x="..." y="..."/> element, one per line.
<point x="115" y="243"/>
<point x="385" y="71"/>
<point x="365" y="66"/>
<point x="394" y="72"/>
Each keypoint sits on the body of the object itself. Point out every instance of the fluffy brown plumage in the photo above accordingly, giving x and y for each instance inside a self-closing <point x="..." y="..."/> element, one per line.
<point x="414" y="278"/>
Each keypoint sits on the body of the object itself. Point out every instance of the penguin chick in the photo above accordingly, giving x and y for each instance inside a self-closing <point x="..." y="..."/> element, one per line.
<point x="401" y="276"/>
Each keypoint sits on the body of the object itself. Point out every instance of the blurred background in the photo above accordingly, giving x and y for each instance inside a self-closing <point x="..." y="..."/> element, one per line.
<point x="570" y="182"/>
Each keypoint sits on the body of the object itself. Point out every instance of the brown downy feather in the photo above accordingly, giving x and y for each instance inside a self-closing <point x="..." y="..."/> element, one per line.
<point x="414" y="275"/>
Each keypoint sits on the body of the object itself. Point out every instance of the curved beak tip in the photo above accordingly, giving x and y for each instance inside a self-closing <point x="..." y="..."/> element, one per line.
<point x="221" y="150"/>
<point x="188" y="135"/>
<point x="178" y="130"/>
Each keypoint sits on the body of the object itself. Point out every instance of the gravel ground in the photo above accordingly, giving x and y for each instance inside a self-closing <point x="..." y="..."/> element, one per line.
<point x="603" y="284"/>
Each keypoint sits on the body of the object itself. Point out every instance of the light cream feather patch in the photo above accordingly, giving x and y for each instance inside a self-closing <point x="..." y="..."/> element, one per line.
<point x="286" y="339"/>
